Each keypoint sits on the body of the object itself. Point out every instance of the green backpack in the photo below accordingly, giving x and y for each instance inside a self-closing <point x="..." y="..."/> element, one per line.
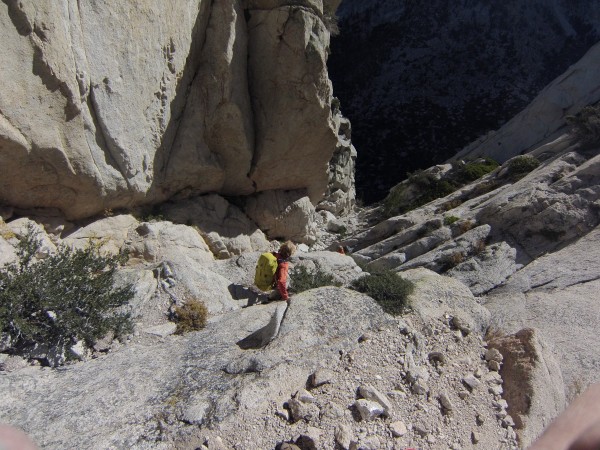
<point x="265" y="271"/>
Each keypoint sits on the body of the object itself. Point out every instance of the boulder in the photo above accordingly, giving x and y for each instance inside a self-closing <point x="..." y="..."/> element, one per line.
<point x="284" y="215"/>
<point x="216" y="106"/>
<point x="159" y="241"/>
<point x="437" y="296"/>
<point x="532" y="382"/>
<point x="224" y="227"/>
<point x="20" y="227"/>
<point x="342" y="267"/>
<point x="108" y="233"/>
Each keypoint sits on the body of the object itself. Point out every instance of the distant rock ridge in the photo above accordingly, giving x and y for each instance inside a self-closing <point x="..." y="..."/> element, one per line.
<point x="108" y="106"/>
<point x="421" y="80"/>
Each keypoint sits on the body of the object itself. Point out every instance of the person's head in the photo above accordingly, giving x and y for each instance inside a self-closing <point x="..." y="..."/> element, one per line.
<point x="287" y="249"/>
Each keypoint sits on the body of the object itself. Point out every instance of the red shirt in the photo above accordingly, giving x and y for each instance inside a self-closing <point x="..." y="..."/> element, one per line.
<point x="281" y="276"/>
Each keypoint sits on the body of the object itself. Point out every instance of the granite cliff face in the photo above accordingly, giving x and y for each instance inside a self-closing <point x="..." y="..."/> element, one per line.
<point x="128" y="103"/>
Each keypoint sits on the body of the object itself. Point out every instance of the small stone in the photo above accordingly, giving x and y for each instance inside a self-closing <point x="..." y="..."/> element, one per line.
<point x="471" y="382"/>
<point x="462" y="394"/>
<point x="420" y="429"/>
<point x="283" y="413"/>
<point x="462" y="324"/>
<point x="494" y="365"/>
<point x="508" y="422"/>
<point x="445" y="402"/>
<point x="510" y="433"/>
<point x="302" y="411"/>
<point x="215" y="443"/>
<point x="343" y="436"/>
<point x="420" y="388"/>
<point x="493" y="354"/>
<point x="493" y="378"/>
<point x="398" y="428"/>
<point x="478" y="372"/>
<point x="370" y="393"/>
<point x="365" y="337"/>
<point x="437" y="358"/>
<point x="370" y="443"/>
<point x="496" y="390"/>
<point x="431" y="439"/>
<point x="333" y="411"/>
<point x="309" y="440"/>
<point x="475" y="437"/>
<point x="289" y="446"/>
<point x="397" y="394"/>
<point x="321" y="377"/>
<point x="368" y="409"/>
<point x="79" y="351"/>
<point x="479" y="419"/>
<point x="417" y="373"/>
<point x="304" y="396"/>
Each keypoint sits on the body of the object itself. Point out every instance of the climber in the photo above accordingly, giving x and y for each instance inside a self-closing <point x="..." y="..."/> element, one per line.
<point x="272" y="273"/>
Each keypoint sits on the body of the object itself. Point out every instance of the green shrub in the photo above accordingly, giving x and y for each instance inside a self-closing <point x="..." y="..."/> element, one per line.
<point x="191" y="316"/>
<point x="474" y="170"/>
<point x="586" y="125"/>
<point x="521" y="165"/>
<point x="68" y="296"/>
<point x="386" y="288"/>
<point x="449" y="220"/>
<point x="303" y="279"/>
<point x="428" y="188"/>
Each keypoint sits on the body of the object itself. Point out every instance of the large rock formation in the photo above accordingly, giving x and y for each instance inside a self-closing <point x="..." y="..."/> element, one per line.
<point x="115" y="105"/>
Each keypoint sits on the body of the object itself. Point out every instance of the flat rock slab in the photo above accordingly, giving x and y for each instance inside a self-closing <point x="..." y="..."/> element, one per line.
<point x="558" y="294"/>
<point x="117" y="401"/>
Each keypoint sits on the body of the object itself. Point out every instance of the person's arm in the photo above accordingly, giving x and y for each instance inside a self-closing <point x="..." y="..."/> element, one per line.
<point x="281" y="281"/>
<point x="576" y="428"/>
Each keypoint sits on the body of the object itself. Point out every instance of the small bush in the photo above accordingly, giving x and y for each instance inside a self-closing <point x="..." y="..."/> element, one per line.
<point x="465" y="226"/>
<point x="386" y="288"/>
<point x="521" y="165"/>
<point x="450" y="204"/>
<point x="479" y="247"/>
<point x="452" y="260"/>
<point x="68" y="296"/>
<point x="449" y="220"/>
<point x="586" y="125"/>
<point x="191" y="316"/>
<point x="428" y="188"/>
<point x="303" y="279"/>
<point x="474" y="170"/>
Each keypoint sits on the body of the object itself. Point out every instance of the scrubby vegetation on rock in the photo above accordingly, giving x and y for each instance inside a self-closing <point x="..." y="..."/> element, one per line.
<point x="473" y="170"/>
<point x="428" y="188"/>
<point x="304" y="279"/>
<point x="521" y="165"/>
<point x="57" y="301"/>
<point x="388" y="289"/>
<point x="191" y="316"/>
<point x="585" y="126"/>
